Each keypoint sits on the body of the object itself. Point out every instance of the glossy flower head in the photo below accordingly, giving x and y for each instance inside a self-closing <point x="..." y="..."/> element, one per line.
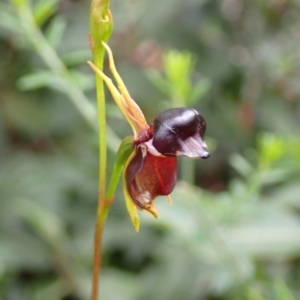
<point x="180" y="131"/>
<point x="151" y="168"/>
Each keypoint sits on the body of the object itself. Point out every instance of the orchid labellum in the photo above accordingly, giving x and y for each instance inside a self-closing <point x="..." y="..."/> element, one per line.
<point x="151" y="168"/>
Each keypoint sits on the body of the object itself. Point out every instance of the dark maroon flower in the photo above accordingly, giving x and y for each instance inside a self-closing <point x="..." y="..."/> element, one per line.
<point x="152" y="170"/>
<point x="180" y="131"/>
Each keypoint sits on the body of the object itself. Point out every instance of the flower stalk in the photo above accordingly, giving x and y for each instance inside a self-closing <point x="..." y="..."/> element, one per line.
<point x="101" y="25"/>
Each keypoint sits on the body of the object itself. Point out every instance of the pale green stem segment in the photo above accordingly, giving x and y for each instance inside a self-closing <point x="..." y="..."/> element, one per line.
<point x="101" y="27"/>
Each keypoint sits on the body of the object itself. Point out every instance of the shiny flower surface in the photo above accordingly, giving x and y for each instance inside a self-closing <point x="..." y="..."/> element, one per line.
<point x="152" y="169"/>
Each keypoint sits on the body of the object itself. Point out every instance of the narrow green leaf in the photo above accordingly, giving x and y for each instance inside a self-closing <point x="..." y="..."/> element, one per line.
<point x="178" y="65"/>
<point x="43" y="10"/>
<point x="198" y="91"/>
<point x="39" y="79"/>
<point x="55" y="31"/>
<point x="41" y="220"/>
<point x="76" y="57"/>
<point x="83" y="81"/>
<point x="124" y="154"/>
<point x="274" y="176"/>
<point x="9" y="21"/>
<point x="125" y="149"/>
<point x="241" y="165"/>
<point x="159" y="81"/>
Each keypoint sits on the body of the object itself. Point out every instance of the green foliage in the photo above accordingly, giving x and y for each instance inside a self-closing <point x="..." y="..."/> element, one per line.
<point x="43" y="10"/>
<point x="177" y="83"/>
<point x="234" y="233"/>
<point x="282" y="291"/>
<point x="55" y="31"/>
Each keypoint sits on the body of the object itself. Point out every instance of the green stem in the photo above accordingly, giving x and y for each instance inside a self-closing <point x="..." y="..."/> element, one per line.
<point x="104" y="203"/>
<point x="101" y="28"/>
<point x="102" y="206"/>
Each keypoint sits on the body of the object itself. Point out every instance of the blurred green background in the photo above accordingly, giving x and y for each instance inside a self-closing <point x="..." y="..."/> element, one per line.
<point x="233" y="231"/>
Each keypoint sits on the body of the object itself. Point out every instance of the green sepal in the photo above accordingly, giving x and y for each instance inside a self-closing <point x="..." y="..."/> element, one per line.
<point x="123" y="157"/>
<point x="131" y="208"/>
<point x="124" y="151"/>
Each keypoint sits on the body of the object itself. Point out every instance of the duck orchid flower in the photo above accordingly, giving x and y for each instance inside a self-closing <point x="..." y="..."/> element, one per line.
<point x="151" y="168"/>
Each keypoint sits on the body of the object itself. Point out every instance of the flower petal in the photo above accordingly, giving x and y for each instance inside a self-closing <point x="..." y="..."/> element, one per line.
<point x="149" y="176"/>
<point x="180" y="131"/>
